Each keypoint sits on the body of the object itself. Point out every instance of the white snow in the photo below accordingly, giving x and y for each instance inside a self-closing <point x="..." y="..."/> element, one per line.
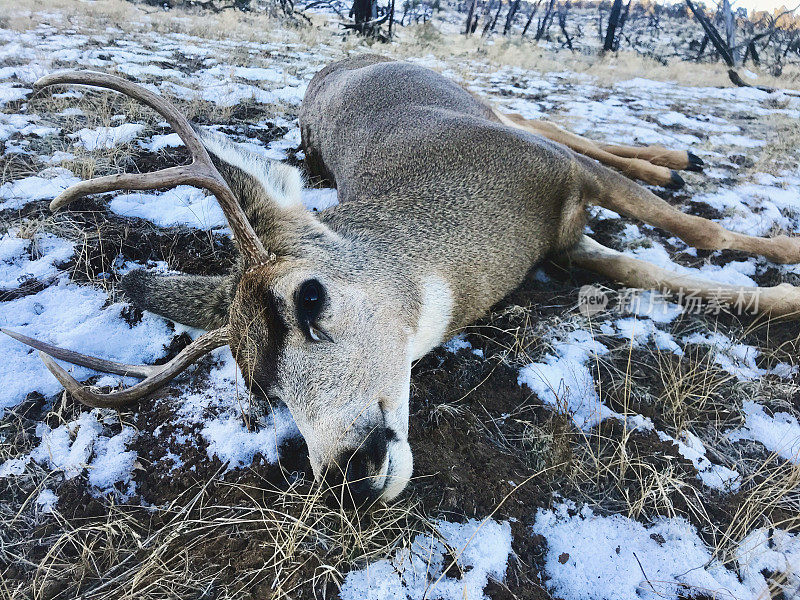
<point x="779" y="433"/>
<point x="107" y="137"/>
<point x="68" y="447"/>
<point x="112" y="462"/>
<point x="691" y="447"/>
<point x="78" y="446"/>
<point x="651" y="304"/>
<point x="159" y="142"/>
<point x="47" y="500"/>
<point x="235" y="445"/>
<point x="217" y="411"/>
<point x="481" y="549"/>
<point x="74" y="317"/>
<point x="17" y="264"/>
<point x="45" y="186"/>
<point x="770" y="551"/>
<point x="643" y="331"/>
<point x="594" y="557"/>
<point x="733" y="273"/>
<point x="758" y="208"/>
<point x="13" y="466"/>
<point x="564" y="381"/>
<point x="737" y="358"/>
<point x="182" y="205"/>
<point x="319" y="199"/>
<point x="10" y="93"/>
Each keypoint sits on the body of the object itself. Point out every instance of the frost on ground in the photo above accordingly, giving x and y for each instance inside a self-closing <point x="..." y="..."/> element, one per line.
<point x="638" y="416"/>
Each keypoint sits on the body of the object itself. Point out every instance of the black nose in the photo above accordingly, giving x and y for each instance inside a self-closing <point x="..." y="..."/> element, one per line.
<point x="351" y="478"/>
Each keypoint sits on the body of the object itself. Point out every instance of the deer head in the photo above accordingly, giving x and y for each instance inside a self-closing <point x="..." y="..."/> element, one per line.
<point x="312" y="323"/>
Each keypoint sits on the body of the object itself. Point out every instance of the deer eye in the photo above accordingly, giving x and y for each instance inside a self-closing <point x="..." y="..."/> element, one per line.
<point x="309" y="301"/>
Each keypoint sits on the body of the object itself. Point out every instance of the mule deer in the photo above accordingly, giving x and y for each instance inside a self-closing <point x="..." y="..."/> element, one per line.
<point x="445" y="205"/>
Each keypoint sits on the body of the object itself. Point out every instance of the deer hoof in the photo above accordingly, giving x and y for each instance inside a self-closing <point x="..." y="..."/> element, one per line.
<point x="696" y="163"/>
<point x="676" y="182"/>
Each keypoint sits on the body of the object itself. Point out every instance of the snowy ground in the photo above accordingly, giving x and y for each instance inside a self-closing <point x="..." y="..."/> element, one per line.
<point x="664" y="410"/>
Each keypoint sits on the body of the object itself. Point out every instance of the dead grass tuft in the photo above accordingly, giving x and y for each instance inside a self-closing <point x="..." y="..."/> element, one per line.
<point x="268" y="542"/>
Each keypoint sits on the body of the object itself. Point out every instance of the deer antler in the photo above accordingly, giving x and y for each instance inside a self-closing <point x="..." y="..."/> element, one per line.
<point x="155" y="376"/>
<point x="200" y="173"/>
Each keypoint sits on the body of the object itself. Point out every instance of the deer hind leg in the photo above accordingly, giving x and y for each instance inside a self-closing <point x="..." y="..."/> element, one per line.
<point x="634" y="167"/>
<point x="195" y="300"/>
<point x="780" y="300"/>
<point x="614" y="192"/>
<point x="680" y="160"/>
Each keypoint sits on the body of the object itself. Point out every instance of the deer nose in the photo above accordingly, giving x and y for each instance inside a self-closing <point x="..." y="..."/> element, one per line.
<point x="354" y="479"/>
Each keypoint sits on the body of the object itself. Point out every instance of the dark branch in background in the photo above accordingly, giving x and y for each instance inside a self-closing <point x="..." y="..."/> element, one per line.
<point x="332" y="4"/>
<point x="563" y="10"/>
<point x="730" y="30"/>
<point x="545" y="21"/>
<point x="711" y="31"/>
<point x="721" y="46"/>
<point x="611" y="29"/>
<point x="512" y="12"/>
<point x="622" y="20"/>
<point x="490" y="24"/>
<point x="530" y="16"/>
<point x="470" y="15"/>
<point x="600" y="21"/>
<point x="363" y="13"/>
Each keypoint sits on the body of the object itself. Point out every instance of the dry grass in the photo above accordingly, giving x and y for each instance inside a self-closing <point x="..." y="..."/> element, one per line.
<point x="425" y="39"/>
<point x="778" y="156"/>
<point x="292" y="539"/>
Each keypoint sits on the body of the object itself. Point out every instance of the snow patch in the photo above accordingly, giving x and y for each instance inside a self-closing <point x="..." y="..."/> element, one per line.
<point x="235" y="445"/>
<point x="779" y="433"/>
<point x="45" y="186"/>
<point x="712" y="475"/>
<point x="181" y="205"/>
<point x="564" y="381"/>
<point x="74" y="317"/>
<point x="592" y="557"/>
<point x="17" y="264"/>
<point x="47" y="500"/>
<point x="736" y="358"/>
<point x="107" y="137"/>
<point x="416" y="573"/>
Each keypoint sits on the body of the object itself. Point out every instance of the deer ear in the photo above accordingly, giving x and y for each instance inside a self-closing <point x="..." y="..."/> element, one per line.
<point x="250" y="174"/>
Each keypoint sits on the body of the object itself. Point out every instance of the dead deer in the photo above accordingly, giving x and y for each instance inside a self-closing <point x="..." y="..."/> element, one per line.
<point x="445" y="205"/>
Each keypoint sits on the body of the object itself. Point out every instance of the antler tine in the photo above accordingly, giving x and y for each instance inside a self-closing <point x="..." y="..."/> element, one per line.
<point x="83" y="360"/>
<point x="155" y="376"/>
<point x="201" y="172"/>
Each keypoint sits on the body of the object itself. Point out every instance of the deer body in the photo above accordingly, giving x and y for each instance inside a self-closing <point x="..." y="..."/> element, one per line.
<point x="438" y="191"/>
<point x="445" y="204"/>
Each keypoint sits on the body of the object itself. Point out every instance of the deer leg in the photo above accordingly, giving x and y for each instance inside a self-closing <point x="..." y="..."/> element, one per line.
<point x="680" y="160"/>
<point x="194" y="300"/>
<point x="614" y="192"/>
<point x="635" y="168"/>
<point x="780" y="300"/>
